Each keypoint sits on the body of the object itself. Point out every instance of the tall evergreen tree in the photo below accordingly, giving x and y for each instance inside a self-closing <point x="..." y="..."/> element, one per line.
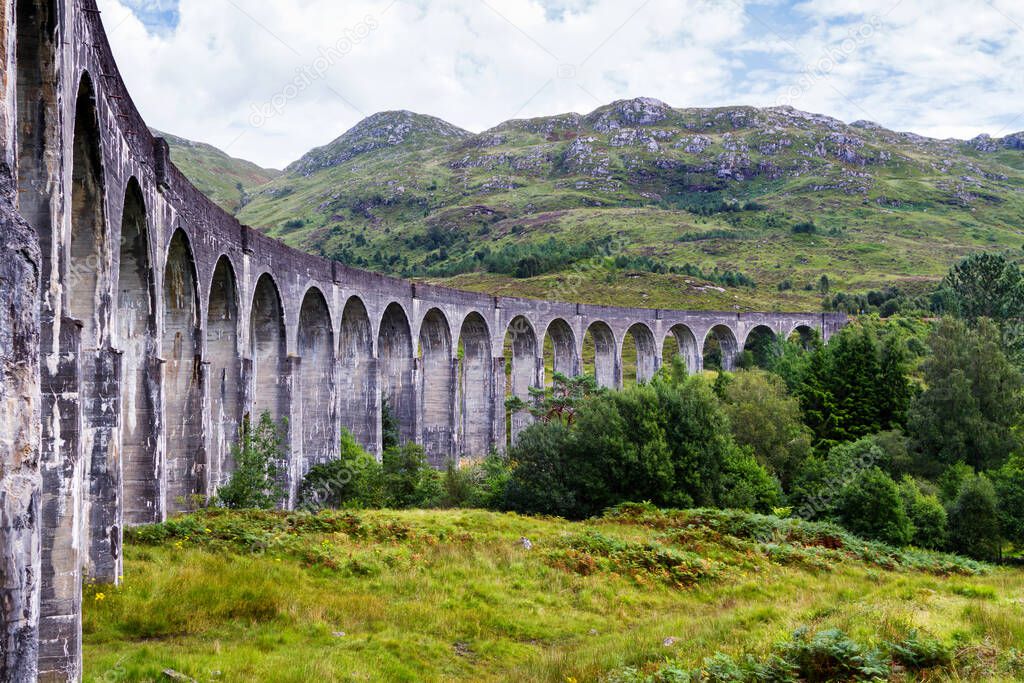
<point x="855" y="386"/>
<point x="973" y="401"/>
<point x="986" y="286"/>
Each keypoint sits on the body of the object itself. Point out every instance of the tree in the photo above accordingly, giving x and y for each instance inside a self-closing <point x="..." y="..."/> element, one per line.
<point x="817" y="488"/>
<point x="986" y="286"/>
<point x="1009" y="484"/>
<point x="390" y="428"/>
<point x="666" y="442"/>
<point x="926" y="514"/>
<point x="256" y="481"/>
<point x="973" y="400"/>
<point x="542" y="479"/>
<point x="354" y="479"/>
<point x="871" y="506"/>
<point x="408" y="480"/>
<point x="823" y="284"/>
<point x="854" y="386"/>
<point x="763" y="417"/>
<point x="974" y="520"/>
<point x="560" y="401"/>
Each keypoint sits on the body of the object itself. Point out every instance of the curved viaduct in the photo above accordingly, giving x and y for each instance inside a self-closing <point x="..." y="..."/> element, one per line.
<point x="141" y="324"/>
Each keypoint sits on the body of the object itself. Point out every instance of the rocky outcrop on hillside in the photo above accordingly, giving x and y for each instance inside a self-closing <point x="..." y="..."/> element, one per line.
<point x="380" y="131"/>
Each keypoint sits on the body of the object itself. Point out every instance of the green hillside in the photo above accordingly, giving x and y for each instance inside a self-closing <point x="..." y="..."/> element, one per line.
<point x="638" y="202"/>
<point x="224" y="179"/>
<point x="458" y="596"/>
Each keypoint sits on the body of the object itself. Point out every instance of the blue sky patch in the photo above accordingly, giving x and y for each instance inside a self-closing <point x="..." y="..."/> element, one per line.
<point x="158" y="16"/>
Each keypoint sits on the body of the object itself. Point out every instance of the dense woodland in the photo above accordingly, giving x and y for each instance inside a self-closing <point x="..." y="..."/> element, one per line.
<point x="906" y="430"/>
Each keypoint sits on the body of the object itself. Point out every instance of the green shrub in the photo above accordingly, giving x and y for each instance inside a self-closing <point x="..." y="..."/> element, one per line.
<point x="926" y="514"/>
<point x="1009" y="483"/>
<point x="390" y="428"/>
<point x="408" y="480"/>
<point x="541" y="481"/>
<point x="667" y="442"/>
<point x="355" y="479"/>
<point x="871" y="506"/>
<point x="917" y="652"/>
<point x="831" y="655"/>
<point x="258" y="455"/>
<point x="476" y="485"/>
<point x="974" y="520"/>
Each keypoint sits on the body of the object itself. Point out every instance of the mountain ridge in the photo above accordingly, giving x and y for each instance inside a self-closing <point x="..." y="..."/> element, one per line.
<point x="687" y="201"/>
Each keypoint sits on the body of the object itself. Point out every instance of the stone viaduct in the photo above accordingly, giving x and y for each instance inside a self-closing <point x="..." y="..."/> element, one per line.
<point x="140" y="324"/>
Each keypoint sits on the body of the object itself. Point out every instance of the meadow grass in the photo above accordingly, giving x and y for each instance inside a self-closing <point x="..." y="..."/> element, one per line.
<point x="455" y="596"/>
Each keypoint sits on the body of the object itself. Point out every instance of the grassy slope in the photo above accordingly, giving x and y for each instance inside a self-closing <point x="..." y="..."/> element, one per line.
<point x="224" y="179"/>
<point x="890" y="208"/>
<point x="444" y="596"/>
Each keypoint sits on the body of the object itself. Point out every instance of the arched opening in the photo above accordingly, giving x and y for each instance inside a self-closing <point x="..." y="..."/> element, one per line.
<point x="394" y="349"/>
<point x="475" y="384"/>
<point x="438" y="387"/>
<point x="520" y="350"/>
<point x="185" y="459"/>
<point x="806" y="337"/>
<point x="560" y="351"/>
<point x="359" y="399"/>
<point x="269" y="352"/>
<point x="37" y="133"/>
<point x="599" y="354"/>
<point x="760" y="348"/>
<point x="316" y="383"/>
<point x="88" y="289"/>
<point x="642" y="355"/>
<point x="136" y="339"/>
<point x="720" y="349"/>
<point x="681" y="342"/>
<point x="225" y="370"/>
<point x="270" y="382"/>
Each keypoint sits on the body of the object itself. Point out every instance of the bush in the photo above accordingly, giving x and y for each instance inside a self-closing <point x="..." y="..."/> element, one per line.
<point x="667" y="442"/>
<point x="257" y="479"/>
<point x="541" y="479"/>
<point x="817" y="488"/>
<point x="926" y="514"/>
<point x="1009" y="483"/>
<point x="355" y="479"/>
<point x="409" y="481"/>
<point x="765" y="418"/>
<point x="974" y="520"/>
<point x="390" y="429"/>
<point x="871" y="506"/>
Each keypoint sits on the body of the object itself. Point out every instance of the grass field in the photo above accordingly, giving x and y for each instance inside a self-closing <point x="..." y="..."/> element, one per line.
<point x="455" y="596"/>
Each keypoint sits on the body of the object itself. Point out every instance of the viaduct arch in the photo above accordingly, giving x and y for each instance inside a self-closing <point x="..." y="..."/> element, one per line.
<point x="146" y="325"/>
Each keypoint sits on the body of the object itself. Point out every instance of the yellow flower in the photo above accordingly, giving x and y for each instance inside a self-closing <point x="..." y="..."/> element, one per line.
<point x="209" y="531"/>
<point x="99" y="596"/>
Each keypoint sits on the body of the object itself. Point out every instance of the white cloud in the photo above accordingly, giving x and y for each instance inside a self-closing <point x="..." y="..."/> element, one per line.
<point x="318" y="66"/>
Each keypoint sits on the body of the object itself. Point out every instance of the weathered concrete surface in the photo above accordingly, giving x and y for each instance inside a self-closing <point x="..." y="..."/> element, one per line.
<point x="163" y="322"/>
<point x="20" y="476"/>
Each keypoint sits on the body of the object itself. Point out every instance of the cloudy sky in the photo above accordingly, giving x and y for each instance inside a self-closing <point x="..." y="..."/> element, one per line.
<point x="269" y="79"/>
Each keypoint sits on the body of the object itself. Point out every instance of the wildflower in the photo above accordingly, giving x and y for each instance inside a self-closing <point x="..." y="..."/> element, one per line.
<point x="209" y="531"/>
<point x="99" y="597"/>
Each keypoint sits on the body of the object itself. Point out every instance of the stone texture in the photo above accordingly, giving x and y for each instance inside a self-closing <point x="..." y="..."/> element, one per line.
<point x="20" y="476"/>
